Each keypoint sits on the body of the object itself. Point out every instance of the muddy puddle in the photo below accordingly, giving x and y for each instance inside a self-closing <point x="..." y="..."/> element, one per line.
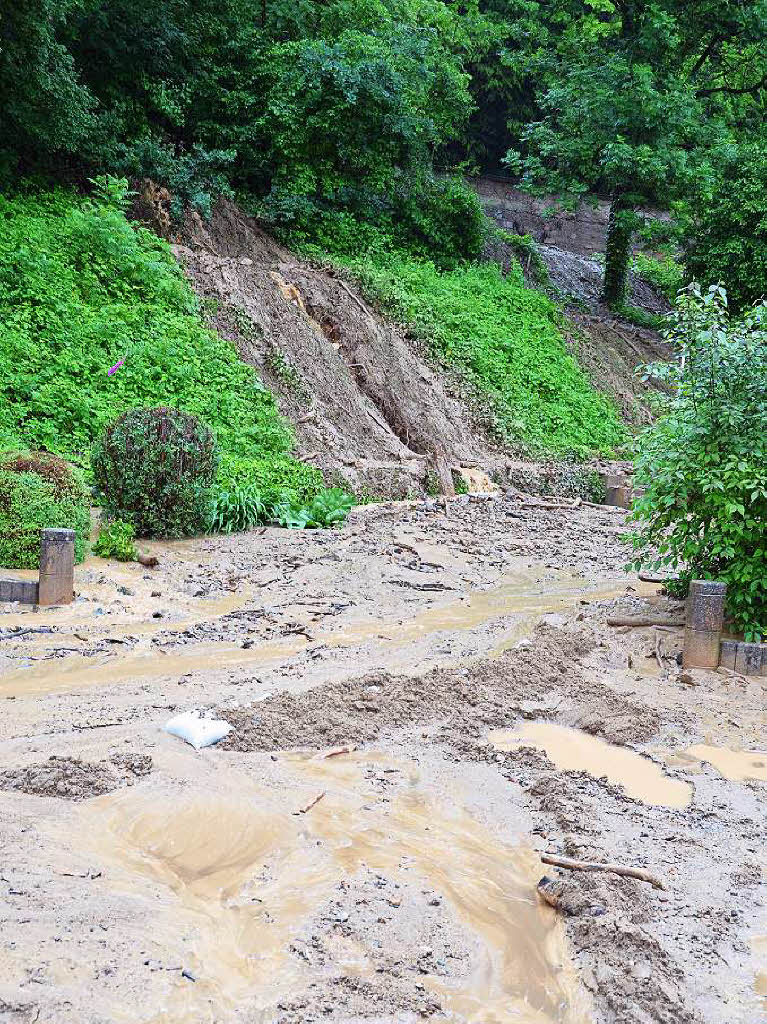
<point x="524" y="598"/>
<point x="236" y="876"/>
<point x="735" y="765"/>
<point x="572" y="750"/>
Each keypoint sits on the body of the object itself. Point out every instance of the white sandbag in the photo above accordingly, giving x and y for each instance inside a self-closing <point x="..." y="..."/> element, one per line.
<point x="200" y="732"/>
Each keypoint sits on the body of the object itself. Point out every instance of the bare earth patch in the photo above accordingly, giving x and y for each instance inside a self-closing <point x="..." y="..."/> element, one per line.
<point x="359" y="848"/>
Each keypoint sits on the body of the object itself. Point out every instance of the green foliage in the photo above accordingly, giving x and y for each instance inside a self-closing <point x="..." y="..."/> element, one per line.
<point x="328" y="508"/>
<point x="155" y="468"/>
<point x="704" y="461"/>
<point x="530" y="259"/>
<point x="80" y="289"/>
<point x="727" y="226"/>
<point x="46" y="108"/>
<point x="640" y="317"/>
<point x="503" y="339"/>
<point x="236" y="508"/>
<point x="664" y="272"/>
<point x="633" y="96"/>
<point x="39" y="491"/>
<point x="115" y="540"/>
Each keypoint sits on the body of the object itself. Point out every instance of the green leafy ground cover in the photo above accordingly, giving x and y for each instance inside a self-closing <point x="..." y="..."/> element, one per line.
<point x="80" y="289"/>
<point x="504" y="340"/>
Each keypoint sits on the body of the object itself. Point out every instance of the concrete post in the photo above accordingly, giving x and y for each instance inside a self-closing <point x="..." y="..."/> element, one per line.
<point x="703" y="628"/>
<point x="57" y="567"/>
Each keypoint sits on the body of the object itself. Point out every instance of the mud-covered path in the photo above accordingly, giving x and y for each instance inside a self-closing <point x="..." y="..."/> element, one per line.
<point x="143" y="881"/>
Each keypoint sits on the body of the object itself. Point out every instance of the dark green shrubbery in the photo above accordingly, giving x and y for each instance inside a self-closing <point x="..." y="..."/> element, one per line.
<point x="704" y="462"/>
<point x="727" y="227"/>
<point x="154" y="468"/>
<point x="39" y="491"/>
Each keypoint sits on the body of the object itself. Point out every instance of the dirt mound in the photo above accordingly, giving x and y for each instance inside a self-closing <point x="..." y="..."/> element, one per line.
<point x="466" y="702"/>
<point x="73" y="779"/>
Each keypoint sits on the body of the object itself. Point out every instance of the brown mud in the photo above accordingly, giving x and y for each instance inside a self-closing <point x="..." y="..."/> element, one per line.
<point x="359" y="849"/>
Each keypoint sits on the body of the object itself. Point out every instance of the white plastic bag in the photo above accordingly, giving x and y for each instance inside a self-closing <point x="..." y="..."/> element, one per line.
<point x="200" y="732"/>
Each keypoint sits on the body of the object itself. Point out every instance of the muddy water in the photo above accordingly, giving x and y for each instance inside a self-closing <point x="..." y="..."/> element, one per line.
<point x="573" y="750"/>
<point x="759" y="947"/>
<point x="238" y="876"/>
<point x="736" y="765"/>
<point x="525" y="597"/>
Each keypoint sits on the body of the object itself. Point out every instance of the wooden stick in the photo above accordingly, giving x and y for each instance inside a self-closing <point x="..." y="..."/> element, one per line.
<point x="592" y="865"/>
<point x="308" y="807"/>
<point x="647" y="620"/>
<point x="354" y="298"/>
<point x="658" y="656"/>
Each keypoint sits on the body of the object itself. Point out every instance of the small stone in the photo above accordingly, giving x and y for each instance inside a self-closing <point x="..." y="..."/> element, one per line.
<point x="156" y="593"/>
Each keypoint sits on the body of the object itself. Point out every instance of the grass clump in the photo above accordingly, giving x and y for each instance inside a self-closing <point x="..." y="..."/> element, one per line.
<point x="39" y="491"/>
<point x="81" y="289"/>
<point x="504" y="340"/>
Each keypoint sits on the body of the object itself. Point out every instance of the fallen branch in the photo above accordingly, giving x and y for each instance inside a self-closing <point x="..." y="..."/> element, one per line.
<point x="647" y="620"/>
<point x="303" y="810"/>
<point x="354" y="298"/>
<point x="335" y="752"/>
<point x="591" y="865"/>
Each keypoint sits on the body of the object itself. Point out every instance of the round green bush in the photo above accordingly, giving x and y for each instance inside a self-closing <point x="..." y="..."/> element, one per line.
<point x="39" y="491"/>
<point x="154" y="469"/>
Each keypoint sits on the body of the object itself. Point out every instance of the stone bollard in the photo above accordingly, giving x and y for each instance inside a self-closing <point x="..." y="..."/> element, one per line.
<point x="748" y="661"/>
<point x="57" y="567"/>
<point x="703" y="627"/>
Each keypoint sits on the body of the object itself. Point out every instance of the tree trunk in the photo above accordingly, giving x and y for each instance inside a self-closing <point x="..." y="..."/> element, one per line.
<point x="620" y="228"/>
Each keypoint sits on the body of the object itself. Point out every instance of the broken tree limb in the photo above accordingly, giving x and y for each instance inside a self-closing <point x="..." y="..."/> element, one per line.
<point x="644" y="620"/>
<point x="354" y="298"/>
<point x="592" y="865"/>
<point x="308" y="807"/>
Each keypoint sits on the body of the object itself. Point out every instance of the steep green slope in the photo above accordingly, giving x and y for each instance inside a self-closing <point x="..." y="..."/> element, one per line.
<point x="503" y="339"/>
<point x="80" y="290"/>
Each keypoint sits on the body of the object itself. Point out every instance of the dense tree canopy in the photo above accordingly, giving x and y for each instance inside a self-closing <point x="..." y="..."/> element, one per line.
<point x="634" y="96"/>
<point x="331" y="117"/>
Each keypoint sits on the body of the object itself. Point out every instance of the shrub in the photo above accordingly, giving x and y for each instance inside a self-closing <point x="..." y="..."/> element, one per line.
<point x="39" y="491"/>
<point x="704" y="461"/>
<point x="154" y="468"/>
<point x="115" y="540"/>
<point x="662" y="271"/>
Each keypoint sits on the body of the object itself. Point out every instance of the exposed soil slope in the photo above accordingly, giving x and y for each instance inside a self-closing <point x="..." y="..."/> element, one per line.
<point x="369" y="408"/>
